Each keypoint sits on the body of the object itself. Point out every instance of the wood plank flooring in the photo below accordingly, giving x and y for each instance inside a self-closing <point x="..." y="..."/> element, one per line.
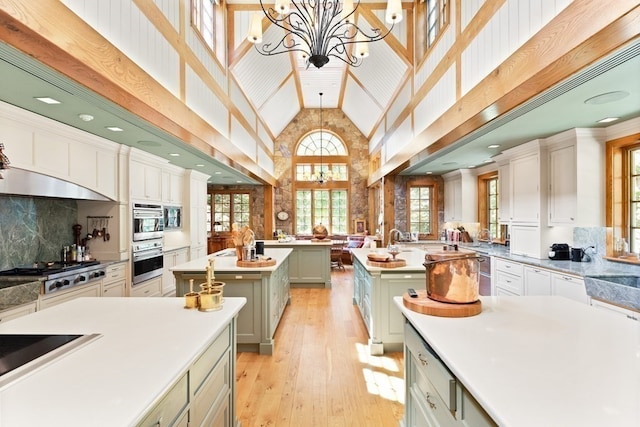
<point x="321" y="373"/>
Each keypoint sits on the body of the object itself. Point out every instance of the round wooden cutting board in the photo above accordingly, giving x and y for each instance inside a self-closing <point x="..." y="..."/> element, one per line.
<point x="387" y="264"/>
<point x="256" y="264"/>
<point x="425" y="305"/>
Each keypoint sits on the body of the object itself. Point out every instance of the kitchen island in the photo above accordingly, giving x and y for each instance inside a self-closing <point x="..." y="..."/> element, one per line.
<point x="152" y="360"/>
<point x="309" y="262"/>
<point x="523" y="362"/>
<point x="266" y="289"/>
<point x="373" y="292"/>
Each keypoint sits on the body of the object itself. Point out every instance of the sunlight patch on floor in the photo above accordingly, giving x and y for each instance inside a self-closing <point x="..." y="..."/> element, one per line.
<point x="364" y="355"/>
<point x="377" y="375"/>
<point x="384" y="385"/>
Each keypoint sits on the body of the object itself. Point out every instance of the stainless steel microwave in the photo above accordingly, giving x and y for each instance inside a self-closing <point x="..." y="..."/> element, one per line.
<point x="148" y="222"/>
<point x="172" y="217"/>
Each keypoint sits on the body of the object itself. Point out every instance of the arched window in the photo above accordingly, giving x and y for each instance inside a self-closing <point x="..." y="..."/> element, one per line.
<point x="321" y="183"/>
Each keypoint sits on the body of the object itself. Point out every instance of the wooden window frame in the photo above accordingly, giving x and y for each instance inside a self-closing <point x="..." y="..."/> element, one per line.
<point x="423" y="47"/>
<point x="231" y="193"/>
<point x="617" y="193"/>
<point x="433" y="206"/>
<point x="483" y="208"/>
<point x="328" y="161"/>
<point x="217" y="23"/>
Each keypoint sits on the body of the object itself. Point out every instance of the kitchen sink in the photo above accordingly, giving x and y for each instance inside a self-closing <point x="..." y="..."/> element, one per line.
<point x="622" y="290"/>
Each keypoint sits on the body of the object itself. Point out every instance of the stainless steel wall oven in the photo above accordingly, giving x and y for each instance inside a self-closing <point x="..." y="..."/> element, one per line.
<point x="148" y="222"/>
<point x="147" y="261"/>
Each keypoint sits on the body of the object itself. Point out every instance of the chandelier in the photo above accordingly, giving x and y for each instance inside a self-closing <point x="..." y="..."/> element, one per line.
<point x="318" y="29"/>
<point x="321" y="177"/>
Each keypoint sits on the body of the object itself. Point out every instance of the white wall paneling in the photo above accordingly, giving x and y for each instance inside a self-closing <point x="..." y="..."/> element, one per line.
<point x="468" y="10"/>
<point x="266" y="139"/>
<point x="354" y="98"/>
<point x="242" y="139"/>
<point x="437" y="101"/>
<point x="171" y="10"/>
<point x="265" y="161"/>
<point x="278" y="109"/>
<point x="241" y="103"/>
<point x="202" y="100"/>
<point x="128" y="29"/>
<point x="400" y="102"/>
<point x="400" y="139"/>
<point x="377" y="136"/>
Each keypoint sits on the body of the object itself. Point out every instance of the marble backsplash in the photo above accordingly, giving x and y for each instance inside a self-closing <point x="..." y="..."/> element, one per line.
<point x="34" y="229"/>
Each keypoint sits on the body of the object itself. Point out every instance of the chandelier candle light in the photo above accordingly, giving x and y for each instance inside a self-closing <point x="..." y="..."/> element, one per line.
<point x="318" y="29"/>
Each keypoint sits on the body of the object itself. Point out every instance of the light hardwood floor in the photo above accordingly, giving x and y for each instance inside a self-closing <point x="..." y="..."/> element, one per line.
<point x="321" y="373"/>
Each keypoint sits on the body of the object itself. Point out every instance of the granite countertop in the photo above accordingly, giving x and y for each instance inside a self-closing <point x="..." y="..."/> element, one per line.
<point x="146" y="344"/>
<point x="541" y="361"/>
<point x="17" y="291"/>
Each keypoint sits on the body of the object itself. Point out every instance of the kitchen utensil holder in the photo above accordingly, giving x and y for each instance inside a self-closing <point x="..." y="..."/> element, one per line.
<point x="210" y="297"/>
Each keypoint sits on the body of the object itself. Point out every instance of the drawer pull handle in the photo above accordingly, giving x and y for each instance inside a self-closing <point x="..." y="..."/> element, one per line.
<point x="431" y="404"/>
<point x="422" y="359"/>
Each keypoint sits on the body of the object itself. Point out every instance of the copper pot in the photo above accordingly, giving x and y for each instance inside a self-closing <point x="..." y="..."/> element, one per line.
<point x="453" y="276"/>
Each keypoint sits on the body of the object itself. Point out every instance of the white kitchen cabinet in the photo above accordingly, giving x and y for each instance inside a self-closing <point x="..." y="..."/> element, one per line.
<point x="172" y="184"/>
<point x="526" y="240"/>
<point x="453" y="200"/>
<point x="90" y="290"/>
<point x="525" y="189"/>
<point x="537" y="281"/>
<point x="149" y="288"/>
<point x="145" y="178"/>
<point x="621" y="311"/>
<point x="571" y="287"/>
<point x="19" y="311"/>
<point x="508" y="276"/>
<point x="460" y="196"/>
<point x="114" y="283"/>
<point x="170" y="260"/>
<point x="576" y="189"/>
<point x="196" y="206"/>
<point x="504" y="192"/>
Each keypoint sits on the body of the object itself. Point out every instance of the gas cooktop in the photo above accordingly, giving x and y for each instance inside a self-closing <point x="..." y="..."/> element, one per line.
<point x="46" y="268"/>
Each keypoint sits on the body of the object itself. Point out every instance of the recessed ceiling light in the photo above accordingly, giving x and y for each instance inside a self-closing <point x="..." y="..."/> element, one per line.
<point x="605" y="98"/>
<point x="217" y="172"/>
<point x="85" y="117"/>
<point x="429" y="173"/>
<point x="471" y="166"/>
<point x="174" y="154"/>
<point x="48" y="100"/>
<point x="239" y="182"/>
<point x="608" y="119"/>
<point x="114" y="129"/>
<point x="149" y="143"/>
<point x="200" y="165"/>
<point x="488" y="161"/>
<point x="493" y="146"/>
<point x="449" y="163"/>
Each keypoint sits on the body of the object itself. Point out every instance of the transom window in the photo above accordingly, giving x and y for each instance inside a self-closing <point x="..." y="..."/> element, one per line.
<point x="321" y="200"/>
<point x="203" y="20"/>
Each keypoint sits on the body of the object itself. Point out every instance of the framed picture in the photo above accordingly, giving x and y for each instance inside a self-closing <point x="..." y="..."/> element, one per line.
<point x="359" y="226"/>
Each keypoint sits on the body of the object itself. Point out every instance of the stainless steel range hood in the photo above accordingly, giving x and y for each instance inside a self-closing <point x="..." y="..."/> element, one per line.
<point x="28" y="183"/>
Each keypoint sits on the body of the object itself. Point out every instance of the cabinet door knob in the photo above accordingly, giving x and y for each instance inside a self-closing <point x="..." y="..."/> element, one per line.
<point x="422" y="359"/>
<point x="431" y="404"/>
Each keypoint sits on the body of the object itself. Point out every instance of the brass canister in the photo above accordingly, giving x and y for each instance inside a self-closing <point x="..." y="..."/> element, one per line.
<point x="210" y="296"/>
<point x="453" y="276"/>
<point x="191" y="300"/>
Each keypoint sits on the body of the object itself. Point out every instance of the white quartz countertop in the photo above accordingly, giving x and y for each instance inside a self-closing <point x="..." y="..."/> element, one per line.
<point x="225" y="260"/>
<point x="303" y="242"/>
<point x="146" y="345"/>
<point x="414" y="259"/>
<point x="542" y="361"/>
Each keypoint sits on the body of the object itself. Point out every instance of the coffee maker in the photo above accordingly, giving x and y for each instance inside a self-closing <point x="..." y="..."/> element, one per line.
<point x="560" y="252"/>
